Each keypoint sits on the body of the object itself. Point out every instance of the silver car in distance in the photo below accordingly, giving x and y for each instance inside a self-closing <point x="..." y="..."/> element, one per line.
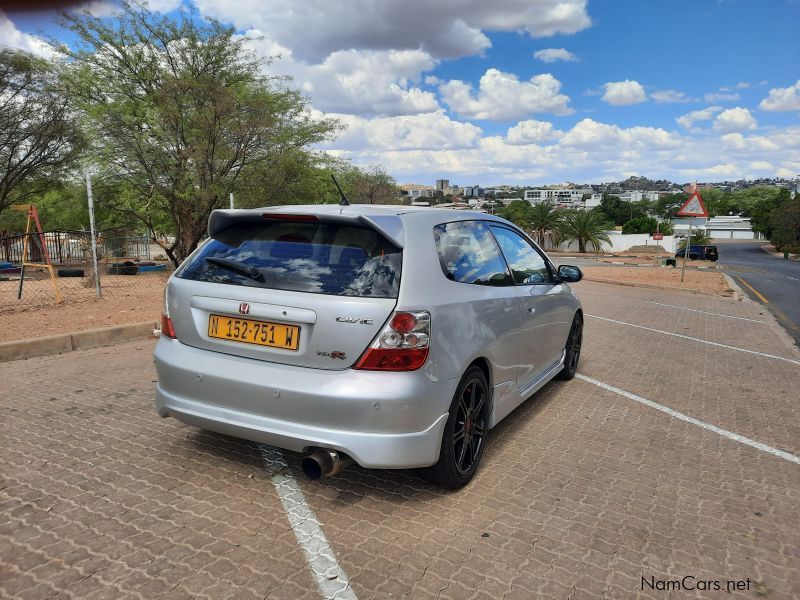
<point x="393" y="336"/>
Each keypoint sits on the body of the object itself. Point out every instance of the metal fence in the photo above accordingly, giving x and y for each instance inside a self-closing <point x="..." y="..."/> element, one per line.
<point x="131" y="270"/>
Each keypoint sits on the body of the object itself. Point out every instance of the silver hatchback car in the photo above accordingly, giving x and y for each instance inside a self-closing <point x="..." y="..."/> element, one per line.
<point x="393" y="336"/>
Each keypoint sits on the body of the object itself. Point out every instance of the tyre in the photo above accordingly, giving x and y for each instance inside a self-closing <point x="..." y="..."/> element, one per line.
<point x="572" y="349"/>
<point x="123" y="268"/>
<point x="464" y="434"/>
<point x="70" y="272"/>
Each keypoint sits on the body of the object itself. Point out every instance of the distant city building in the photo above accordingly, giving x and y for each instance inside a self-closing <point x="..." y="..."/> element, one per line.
<point x="442" y="184"/>
<point x="632" y="196"/>
<point x="425" y="193"/>
<point x="474" y="191"/>
<point x="568" y="198"/>
<point x="593" y="200"/>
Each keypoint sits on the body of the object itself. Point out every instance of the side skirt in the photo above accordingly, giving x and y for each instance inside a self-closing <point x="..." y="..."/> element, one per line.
<point x="512" y="401"/>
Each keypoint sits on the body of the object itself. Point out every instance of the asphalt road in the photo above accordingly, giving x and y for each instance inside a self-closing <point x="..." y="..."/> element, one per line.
<point x="766" y="278"/>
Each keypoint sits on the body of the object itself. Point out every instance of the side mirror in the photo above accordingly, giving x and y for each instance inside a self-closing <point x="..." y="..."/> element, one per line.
<point x="569" y="273"/>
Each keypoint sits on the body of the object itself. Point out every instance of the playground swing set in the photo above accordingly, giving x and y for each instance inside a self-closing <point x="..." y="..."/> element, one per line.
<point x="33" y="218"/>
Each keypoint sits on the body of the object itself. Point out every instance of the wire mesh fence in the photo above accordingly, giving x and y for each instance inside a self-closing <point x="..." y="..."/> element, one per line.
<point x="129" y="266"/>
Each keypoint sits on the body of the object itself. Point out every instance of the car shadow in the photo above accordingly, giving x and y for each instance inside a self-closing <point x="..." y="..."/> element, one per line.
<point x="356" y="483"/>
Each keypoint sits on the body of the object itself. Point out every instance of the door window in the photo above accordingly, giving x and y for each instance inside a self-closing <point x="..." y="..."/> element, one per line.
<point x="469" y="254"/>
<point x="527" y="265"/>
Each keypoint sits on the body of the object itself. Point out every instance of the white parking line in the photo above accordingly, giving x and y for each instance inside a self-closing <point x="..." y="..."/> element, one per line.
<point x="705" y="312"/>
<point x="707" y="426"/>
<point x="694" y="339"/>
<point x="331" y="579"/>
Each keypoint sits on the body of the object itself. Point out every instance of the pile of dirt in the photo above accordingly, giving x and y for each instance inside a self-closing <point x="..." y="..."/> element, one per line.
<point x="646" y="250"/>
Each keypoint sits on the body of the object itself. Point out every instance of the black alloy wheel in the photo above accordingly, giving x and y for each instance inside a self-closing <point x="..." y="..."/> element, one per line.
<point x="572" y="349"/>
<point x="464" y="436"/>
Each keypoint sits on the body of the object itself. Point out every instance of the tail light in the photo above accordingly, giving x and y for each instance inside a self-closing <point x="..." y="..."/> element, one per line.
<point x="166" y="323"/>
<point x="166" y="327"/>
<point x="402" y="345"/>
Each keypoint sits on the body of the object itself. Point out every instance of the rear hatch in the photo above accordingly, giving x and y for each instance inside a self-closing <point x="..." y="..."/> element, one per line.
<point x="294" y="289"/>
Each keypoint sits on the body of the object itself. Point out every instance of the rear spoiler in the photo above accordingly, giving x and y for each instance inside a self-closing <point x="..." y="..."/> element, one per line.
<point x="390" y="226"/>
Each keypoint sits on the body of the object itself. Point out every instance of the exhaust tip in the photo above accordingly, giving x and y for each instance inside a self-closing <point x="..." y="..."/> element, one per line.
<point x="324" y="463"/>
<point x="312" y="469"/>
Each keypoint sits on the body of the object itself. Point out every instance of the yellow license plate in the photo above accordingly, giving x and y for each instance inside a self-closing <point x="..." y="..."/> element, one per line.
<point x="249" y="331"/>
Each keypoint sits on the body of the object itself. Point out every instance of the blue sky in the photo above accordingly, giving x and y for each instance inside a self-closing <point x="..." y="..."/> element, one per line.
<point x="532" y="91"/>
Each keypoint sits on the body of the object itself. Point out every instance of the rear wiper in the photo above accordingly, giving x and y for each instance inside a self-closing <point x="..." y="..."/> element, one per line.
<point x="235" y="266"/>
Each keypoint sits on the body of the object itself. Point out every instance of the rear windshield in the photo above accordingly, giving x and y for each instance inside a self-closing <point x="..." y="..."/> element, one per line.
<point x="320" y="258"/>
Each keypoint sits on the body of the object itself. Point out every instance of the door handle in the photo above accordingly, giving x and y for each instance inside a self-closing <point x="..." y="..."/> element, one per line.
<point x="531" y="310"/>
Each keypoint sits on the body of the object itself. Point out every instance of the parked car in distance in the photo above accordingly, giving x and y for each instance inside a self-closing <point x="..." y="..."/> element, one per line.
<point x="700" y="252"/>
<point x="393" y="336"/>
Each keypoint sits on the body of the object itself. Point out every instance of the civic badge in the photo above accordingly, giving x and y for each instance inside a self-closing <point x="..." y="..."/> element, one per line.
<point x="244" y="308"/>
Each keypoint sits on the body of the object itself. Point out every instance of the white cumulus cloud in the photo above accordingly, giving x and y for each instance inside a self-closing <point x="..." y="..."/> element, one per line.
<point x="782" y="99"/>
<point x="12" y="37"/>
<point x="404" y="133"/>
<point x="623" y="93"/>
<point x="356" y="82"/>
<point x="704" y="114"/>
<point x="503" y="96"/>
<point x="672" y="96"/>
<point x="550" y="55"/>
<point x="721" y="97"/>
<point x="314" y="29"/>
<point x="735" y="119"/>
<point x="531" y="132"/>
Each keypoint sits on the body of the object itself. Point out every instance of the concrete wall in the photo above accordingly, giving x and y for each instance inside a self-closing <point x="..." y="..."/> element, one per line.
<point x="621" y="242"/>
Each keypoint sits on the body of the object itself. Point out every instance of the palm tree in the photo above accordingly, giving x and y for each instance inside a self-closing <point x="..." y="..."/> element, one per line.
<point x="699" y="238"/>
<point x="588" y="227"/>
<point x="543" y="218"/>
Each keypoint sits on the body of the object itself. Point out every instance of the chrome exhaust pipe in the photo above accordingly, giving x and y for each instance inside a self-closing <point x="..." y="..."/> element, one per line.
<point x="324" y="463"/>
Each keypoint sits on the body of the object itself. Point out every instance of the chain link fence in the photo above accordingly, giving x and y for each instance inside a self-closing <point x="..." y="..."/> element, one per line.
<point x="130" y="267"/>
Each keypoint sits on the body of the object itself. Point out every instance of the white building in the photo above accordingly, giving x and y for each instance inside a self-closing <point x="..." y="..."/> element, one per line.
<point x="634" y="196"/>
<point x="565" y="198"/>
<point x="593" y="201"/>
<point x="420" y="193"/>
<point x="734" y="227"/>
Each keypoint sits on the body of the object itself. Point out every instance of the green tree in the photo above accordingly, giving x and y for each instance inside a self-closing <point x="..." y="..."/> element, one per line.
<point x="785" y="222"/>
<point x="667" y="205"/>
<point x="614" y="209"/>
<point x="543" y="218"/>
<point x="760" y="202"/>
<point x="518" y="212"/>
<point x="183" y="116"/>
<point x="587" y="227"/>
<point x="40" y="139"/>
<point x="640" y="224"/>
<point x="370" y="185"/>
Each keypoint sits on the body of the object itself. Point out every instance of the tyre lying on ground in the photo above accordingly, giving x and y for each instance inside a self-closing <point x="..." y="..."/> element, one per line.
<point x="123" y="268"/>
<point x="395" y="337"/>
<point x="70" y="272"/>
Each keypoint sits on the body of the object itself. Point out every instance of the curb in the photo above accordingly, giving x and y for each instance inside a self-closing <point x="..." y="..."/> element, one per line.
<point x="655" y="287"/>
<point x="738" y="292"/>
<point x="79" y="340"/>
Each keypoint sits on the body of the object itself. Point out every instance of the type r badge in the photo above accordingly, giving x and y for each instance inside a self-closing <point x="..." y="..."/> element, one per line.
<point x="334" y="354"/>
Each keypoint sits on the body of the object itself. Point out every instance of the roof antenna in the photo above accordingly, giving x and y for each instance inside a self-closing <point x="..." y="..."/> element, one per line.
<point x="344" y="201"/>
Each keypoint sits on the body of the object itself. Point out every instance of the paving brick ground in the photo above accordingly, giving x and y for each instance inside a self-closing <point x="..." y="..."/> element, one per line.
<point x="582" y="492"/>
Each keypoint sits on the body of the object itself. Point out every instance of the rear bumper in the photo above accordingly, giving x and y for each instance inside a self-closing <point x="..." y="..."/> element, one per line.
<point x="381" y="420"/>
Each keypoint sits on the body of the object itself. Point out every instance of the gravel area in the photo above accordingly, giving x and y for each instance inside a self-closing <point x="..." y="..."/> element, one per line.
<point x="125" y="300"/>
<point x="698" y="281"/>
